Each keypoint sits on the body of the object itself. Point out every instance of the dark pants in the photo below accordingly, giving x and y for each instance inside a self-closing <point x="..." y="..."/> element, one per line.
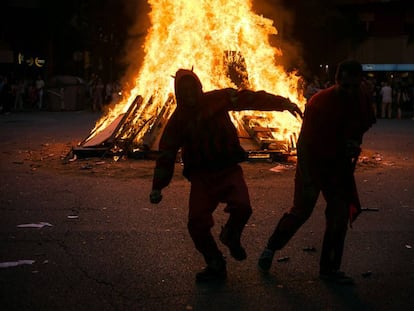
<point x="332" y="179"/>
<point x="208" y="189"/>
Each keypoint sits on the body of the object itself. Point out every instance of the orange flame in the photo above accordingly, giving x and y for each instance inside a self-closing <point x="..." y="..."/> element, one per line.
<point x="186" y="34"/>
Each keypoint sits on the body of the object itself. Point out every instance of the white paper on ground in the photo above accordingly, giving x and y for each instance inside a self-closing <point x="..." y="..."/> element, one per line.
<point x="8" y="264"/>
<point x="38" y="225"/>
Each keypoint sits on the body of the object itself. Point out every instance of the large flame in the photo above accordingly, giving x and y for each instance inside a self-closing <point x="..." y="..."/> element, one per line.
<point x="208" y="35"/>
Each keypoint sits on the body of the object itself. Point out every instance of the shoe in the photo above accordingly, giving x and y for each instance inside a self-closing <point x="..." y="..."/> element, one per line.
<point x="214" y="271"/>
<point x="265" y="260"/>
<point x="232" y="241"/>
<point x="336" y="277"/>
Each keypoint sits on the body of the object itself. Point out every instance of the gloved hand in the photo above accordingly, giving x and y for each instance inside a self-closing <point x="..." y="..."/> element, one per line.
<point x="352" y="148"/>
<point x="295" y="110"/>
<point x="155" y="196"/>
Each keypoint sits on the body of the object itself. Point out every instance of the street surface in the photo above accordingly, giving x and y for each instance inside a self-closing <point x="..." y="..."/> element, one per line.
<point x="101" y="245"/>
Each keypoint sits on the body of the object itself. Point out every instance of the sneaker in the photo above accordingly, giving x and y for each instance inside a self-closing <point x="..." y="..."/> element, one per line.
<point x="215" y="271"/>
<point x="233" y="243"/>
<point x="265" y="260"/>
<point x="336" y="277"/>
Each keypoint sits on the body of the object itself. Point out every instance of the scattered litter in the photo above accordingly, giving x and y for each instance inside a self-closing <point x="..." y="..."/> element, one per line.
<point x="73" y="216"/>
<point x="38" y="225"/>
<point x="366" y="274"/>
<point x="377" y="157"/>
<point x="73" y="159"/>
<point x="279" y="286"/>
<point x="280" y="168"/>
<point x="277" y="169"/>
<point x="8" y="264"/>
<point x="283" y="259"/>
<point x="100" y="162"/>
<point x="408" y="246"/>
<point x="370" y="209"/>
<point x="86" y="167"/>
<point x="309" y="249"/>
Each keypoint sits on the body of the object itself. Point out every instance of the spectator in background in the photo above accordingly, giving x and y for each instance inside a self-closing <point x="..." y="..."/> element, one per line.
<point x="311" y="89"/>
<point x="32" y="95"/>
<point x="402" y="99"/>
<point x="98" y="93"/>
<point x="20" y="95"/>
<point x="369" y="85"/>
<point x="6" y="96"/>
<point x="386" y="100"/>
<point x="39" y="84"/>
<point x="108" y="92"/>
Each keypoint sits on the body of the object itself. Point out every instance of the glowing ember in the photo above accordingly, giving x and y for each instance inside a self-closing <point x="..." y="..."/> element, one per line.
<point x="224" y="41"/>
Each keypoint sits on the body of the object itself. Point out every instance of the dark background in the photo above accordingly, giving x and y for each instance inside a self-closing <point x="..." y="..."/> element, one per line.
<point x="81" y="37"/>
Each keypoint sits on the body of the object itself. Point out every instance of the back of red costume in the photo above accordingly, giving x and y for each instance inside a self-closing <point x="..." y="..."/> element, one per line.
<point x="204" y="131"/>
<point x="205" y="144"/>
<point x="330" y="120"/>
<point x="201" y="126"/>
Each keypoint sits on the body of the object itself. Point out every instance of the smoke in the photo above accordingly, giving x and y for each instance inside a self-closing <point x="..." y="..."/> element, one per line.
<point x="136" y="12"/>
<point x="283" y="19"/>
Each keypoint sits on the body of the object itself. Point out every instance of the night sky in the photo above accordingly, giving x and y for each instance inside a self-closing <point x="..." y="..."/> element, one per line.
<point x="308" y="30"/>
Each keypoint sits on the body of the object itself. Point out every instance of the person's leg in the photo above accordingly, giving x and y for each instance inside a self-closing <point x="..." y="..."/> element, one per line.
<point x="235" y="193"/>
<point x="337" y="218"/>
<point x="334" y="238"/>
<point x="200" y="222"/>
<point x="305" y="197"/>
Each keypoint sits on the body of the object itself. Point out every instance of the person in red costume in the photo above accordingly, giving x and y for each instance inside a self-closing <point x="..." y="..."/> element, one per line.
<point x="335" y="120"/>
<point x="211" y="152"/>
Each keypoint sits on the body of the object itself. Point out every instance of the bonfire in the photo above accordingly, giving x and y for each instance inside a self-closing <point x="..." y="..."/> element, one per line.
<point x="227" y="45"/>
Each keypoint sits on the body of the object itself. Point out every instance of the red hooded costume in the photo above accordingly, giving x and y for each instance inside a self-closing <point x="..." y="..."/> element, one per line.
<point x="328" y="147"/>
<point x="201" y="127"/>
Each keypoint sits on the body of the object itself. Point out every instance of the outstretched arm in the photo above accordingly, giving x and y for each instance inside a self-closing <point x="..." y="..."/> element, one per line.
<point x="261" y="100"/>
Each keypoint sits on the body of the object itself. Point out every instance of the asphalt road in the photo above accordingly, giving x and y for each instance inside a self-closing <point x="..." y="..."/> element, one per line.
<point x="103" y="246"/>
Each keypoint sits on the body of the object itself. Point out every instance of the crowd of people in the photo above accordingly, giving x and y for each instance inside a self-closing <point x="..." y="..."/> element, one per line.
<point x="19" y="94"/>
<point x="30" y="94"/>
<point x="100" y="93"/>
<point x="392" y="97"/>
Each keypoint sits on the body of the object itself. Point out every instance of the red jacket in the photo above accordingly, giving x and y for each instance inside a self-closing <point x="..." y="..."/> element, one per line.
<point x="205" y="133"/>
<point x="330" y="120"/>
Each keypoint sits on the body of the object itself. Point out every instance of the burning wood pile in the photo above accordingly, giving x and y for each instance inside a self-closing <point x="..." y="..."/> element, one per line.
<point x="228" y="45"/>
